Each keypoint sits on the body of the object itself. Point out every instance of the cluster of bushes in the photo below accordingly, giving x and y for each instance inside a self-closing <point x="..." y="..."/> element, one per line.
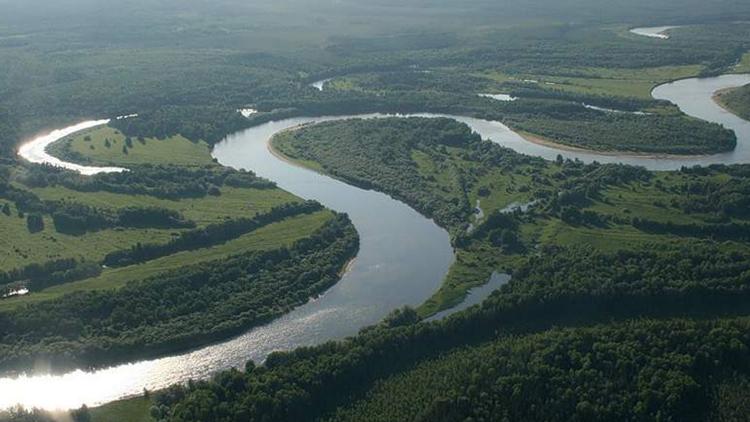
<point x="75" y="218"/>
<point x="729" y="197"/>
<point x="723" y="231"/>
<point x="500" y="228"/>
<point x="209" y="124"/>
<point x="379" y="154"/>
<point x="25" y="201"/>
<point x="34" y="223"/>
<point x="39" y="276"/>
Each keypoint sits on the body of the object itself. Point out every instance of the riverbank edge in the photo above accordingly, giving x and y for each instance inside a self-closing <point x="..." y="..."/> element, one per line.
<point x="447" y="296"/>
<point x="662" y="84"/>
<point x="717" y="98"/>
<point x="164" y="350"/>
<point x="546" y="142"/>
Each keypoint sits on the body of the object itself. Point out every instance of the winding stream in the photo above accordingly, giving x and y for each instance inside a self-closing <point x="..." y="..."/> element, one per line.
<point x="402" y="260"/>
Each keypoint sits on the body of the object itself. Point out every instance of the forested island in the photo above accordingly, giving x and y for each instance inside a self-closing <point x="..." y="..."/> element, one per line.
<point x="444" y="170"/>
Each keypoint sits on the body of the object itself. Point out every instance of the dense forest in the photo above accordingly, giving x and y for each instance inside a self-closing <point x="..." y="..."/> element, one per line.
<point x="378" y="155"/>
<point x="642" y="370"/>
<point x="645" y="369"/>
<point x="170" y="182"/>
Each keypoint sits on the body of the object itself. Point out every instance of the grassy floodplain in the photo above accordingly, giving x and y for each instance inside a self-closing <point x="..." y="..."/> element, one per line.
<point x="628" y="295"/>
<point x="442" y="170"/>
<point x="132" y="410"/>
<point x="267" y="238"/>
<point x="266" y="227"/>
<point x="106" y="146"/>
<point x="20" y="248"/>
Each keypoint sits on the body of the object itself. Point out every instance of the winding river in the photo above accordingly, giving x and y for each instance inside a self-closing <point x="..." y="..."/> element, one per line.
<point x="402" y="260"/>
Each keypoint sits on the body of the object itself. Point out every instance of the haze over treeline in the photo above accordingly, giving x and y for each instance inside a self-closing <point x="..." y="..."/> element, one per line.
<point x="339" y="15"/>
<point x="72" y="59"/>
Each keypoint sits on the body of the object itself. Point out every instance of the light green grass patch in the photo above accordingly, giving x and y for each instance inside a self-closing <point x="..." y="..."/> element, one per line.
<point x="651" y="74"/>
<point x="429" y="169"/>
<point x="176" y="150"/>
<point x="644" y="202"/>
<point x="636" y="83"/>
<point x="505" y="189"/>
<point x="136" y="409"/>
<point x="273" y="236"/>
<point x="18" y="247"/>
<point x="495" y="76"/>
<point x="232" y="203"/>
<point x="613" y="238"/>
<point x="344" y="84"/>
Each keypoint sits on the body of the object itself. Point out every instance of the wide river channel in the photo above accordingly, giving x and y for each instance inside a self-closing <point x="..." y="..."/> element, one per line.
<point x="402" y="260"/>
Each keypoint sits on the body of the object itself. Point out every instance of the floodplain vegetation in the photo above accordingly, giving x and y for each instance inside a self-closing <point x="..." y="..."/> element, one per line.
<point x="154" y="260"/>
<point x="628" y="298"/>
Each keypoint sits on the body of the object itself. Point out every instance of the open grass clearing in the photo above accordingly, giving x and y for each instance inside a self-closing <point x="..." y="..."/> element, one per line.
<point x="104" y="146"/>
<point x="273" y="236"/>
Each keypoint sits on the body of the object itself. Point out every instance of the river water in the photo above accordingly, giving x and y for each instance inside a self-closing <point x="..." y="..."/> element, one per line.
<point x="36" y="150"/>
<point x="402" y="260"/>
<point x="654" y="31"/>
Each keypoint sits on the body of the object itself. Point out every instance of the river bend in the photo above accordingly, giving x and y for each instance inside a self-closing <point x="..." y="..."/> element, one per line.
<point x="402" y="260"/>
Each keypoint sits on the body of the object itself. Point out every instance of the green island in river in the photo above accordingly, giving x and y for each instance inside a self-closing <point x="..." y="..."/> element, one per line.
<point x="445" y="171"/>
<point x="626" y="283"/>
